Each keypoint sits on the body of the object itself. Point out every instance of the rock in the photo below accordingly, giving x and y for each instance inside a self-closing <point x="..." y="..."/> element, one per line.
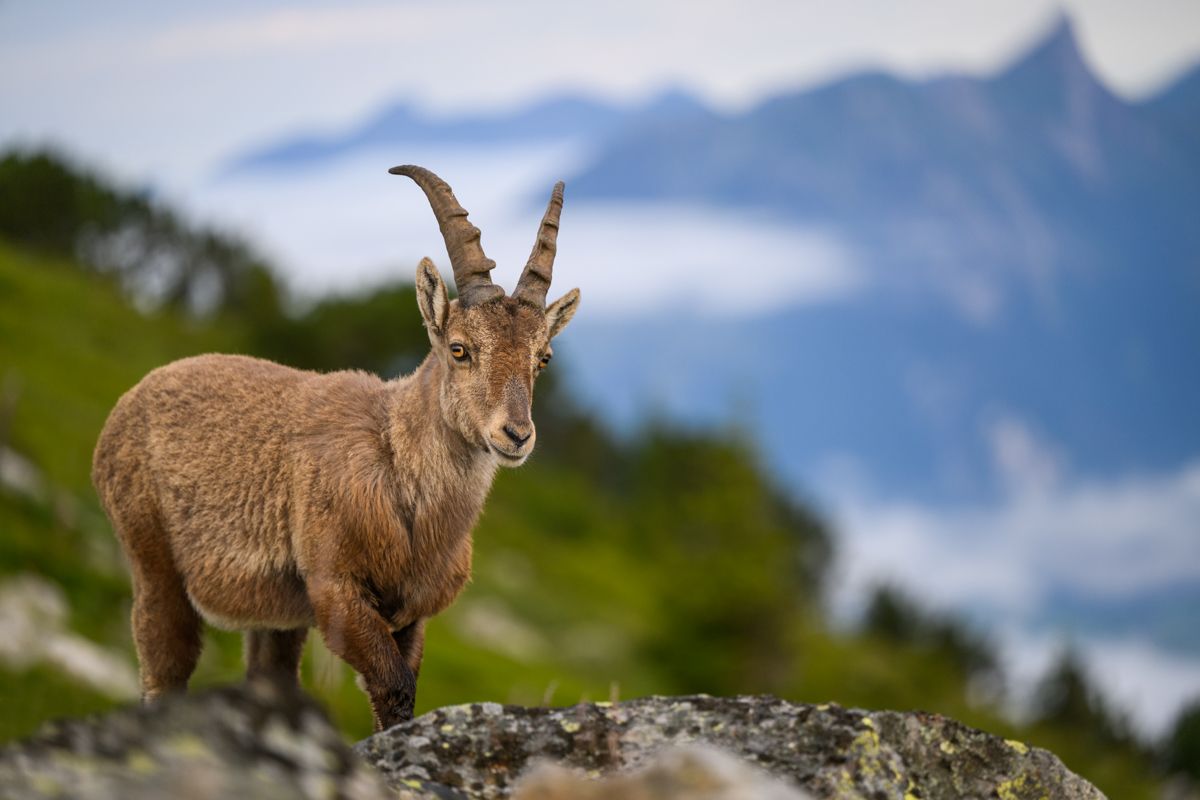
<point x="263" y="741"/>
<point x="252" y="740"/>
<point x="481" y="750"/>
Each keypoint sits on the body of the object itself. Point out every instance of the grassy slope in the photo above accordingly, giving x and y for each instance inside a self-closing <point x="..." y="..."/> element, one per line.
<point x="564" y="605"/>
<point x="69" y="346"/>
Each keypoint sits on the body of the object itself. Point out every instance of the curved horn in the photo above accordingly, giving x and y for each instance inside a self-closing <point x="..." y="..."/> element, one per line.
<point x="471" y="266"/>
<point x="535" y="279"/>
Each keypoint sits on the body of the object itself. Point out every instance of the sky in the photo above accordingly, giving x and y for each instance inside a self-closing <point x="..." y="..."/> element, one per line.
<point x="150" y="88"/>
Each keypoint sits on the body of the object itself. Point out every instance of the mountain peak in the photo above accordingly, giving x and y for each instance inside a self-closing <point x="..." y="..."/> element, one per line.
<point x="1061" y="38"/>
<point x="1053" y="72"/>
<point x="1056" y="51"/>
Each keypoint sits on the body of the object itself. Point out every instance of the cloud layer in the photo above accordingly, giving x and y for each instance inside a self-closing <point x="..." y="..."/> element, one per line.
<point x="1106" y="538"/>
<point x="350" y="223"/>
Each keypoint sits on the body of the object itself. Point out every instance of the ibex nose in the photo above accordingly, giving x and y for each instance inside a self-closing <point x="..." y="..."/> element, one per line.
<point x="519" y="435"/>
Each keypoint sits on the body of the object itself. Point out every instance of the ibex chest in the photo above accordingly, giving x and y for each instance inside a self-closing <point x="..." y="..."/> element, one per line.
<point x="403" y="526"/>
<point x="427" y="570"/>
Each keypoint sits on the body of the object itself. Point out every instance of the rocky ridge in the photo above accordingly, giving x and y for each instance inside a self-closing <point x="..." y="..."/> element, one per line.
<point x="482" y="750"/>
<point x="259" y="740"/>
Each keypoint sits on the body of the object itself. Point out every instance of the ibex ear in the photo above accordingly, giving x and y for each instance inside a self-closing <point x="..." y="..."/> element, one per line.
<point x="432" y="298"/>
<point x="559" y="313"/>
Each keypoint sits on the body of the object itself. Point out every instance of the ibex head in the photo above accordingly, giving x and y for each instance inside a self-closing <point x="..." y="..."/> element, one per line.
<point x="492" y="345"/>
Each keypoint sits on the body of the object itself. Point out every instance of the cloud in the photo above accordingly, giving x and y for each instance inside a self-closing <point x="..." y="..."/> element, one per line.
<point x="286" y="31"/>
<point x="1001" y="562"/>
<point x="715" y="262"/>
<point x="1136" y="678"/>
<point x="350" y="223"/>
<point x="1105" y="538"/>
<point x="1025" y="465"/>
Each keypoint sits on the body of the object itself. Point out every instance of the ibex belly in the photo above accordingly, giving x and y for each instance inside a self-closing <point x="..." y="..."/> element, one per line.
<point x="240" y="599"/>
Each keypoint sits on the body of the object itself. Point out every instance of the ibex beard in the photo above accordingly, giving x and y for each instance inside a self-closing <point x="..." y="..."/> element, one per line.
<point x="270" y="500"/>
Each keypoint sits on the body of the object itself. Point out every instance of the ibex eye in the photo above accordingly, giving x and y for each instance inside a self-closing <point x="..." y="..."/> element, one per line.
<point x="545" y="361"/>
<point x="458" y="351"/>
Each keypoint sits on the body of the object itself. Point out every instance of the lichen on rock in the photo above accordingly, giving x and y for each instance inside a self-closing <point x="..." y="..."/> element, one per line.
<point x="482" y="750"/>
<point x="263" y="741"/>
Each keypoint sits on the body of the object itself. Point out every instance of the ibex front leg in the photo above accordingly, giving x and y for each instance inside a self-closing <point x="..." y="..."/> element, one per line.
<point x="411" y="641"/>
<point x="356" y="633"/>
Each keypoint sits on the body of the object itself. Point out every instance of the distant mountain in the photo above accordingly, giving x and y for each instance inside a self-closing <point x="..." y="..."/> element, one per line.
<point x="1016" y="173"/>
<point x="558" y="119"/>
<point x="1032" y="250"/>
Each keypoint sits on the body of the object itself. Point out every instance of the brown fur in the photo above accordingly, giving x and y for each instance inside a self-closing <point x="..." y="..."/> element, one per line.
<point x="267" y="499"/>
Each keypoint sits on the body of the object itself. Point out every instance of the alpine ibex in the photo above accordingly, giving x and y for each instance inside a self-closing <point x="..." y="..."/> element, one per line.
<point x="267" y="499"/>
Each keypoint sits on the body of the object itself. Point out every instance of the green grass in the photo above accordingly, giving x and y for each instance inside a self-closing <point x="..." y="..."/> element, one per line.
<point x="70" y="345"/>
<point x="29" y="698"/>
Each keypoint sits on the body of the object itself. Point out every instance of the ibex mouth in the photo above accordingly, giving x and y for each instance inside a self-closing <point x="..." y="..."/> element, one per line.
<point x="506" y="457"/>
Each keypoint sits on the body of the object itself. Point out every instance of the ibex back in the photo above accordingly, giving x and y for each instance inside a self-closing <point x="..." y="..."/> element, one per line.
<point x="268" y="500"/>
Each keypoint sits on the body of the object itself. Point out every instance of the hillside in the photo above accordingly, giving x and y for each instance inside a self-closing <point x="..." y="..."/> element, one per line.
<point x="70" y="344"/>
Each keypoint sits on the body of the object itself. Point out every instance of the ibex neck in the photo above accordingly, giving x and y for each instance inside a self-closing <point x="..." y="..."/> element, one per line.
<point x="423" y="443"/>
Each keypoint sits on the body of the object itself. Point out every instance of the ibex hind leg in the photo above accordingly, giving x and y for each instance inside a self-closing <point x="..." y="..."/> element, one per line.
<point x="167" y="630"/>
<point x="275" y="654"/>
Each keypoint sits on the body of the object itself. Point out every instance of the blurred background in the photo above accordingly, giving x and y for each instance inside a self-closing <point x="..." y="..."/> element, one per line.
<point x="884" y="390"/>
